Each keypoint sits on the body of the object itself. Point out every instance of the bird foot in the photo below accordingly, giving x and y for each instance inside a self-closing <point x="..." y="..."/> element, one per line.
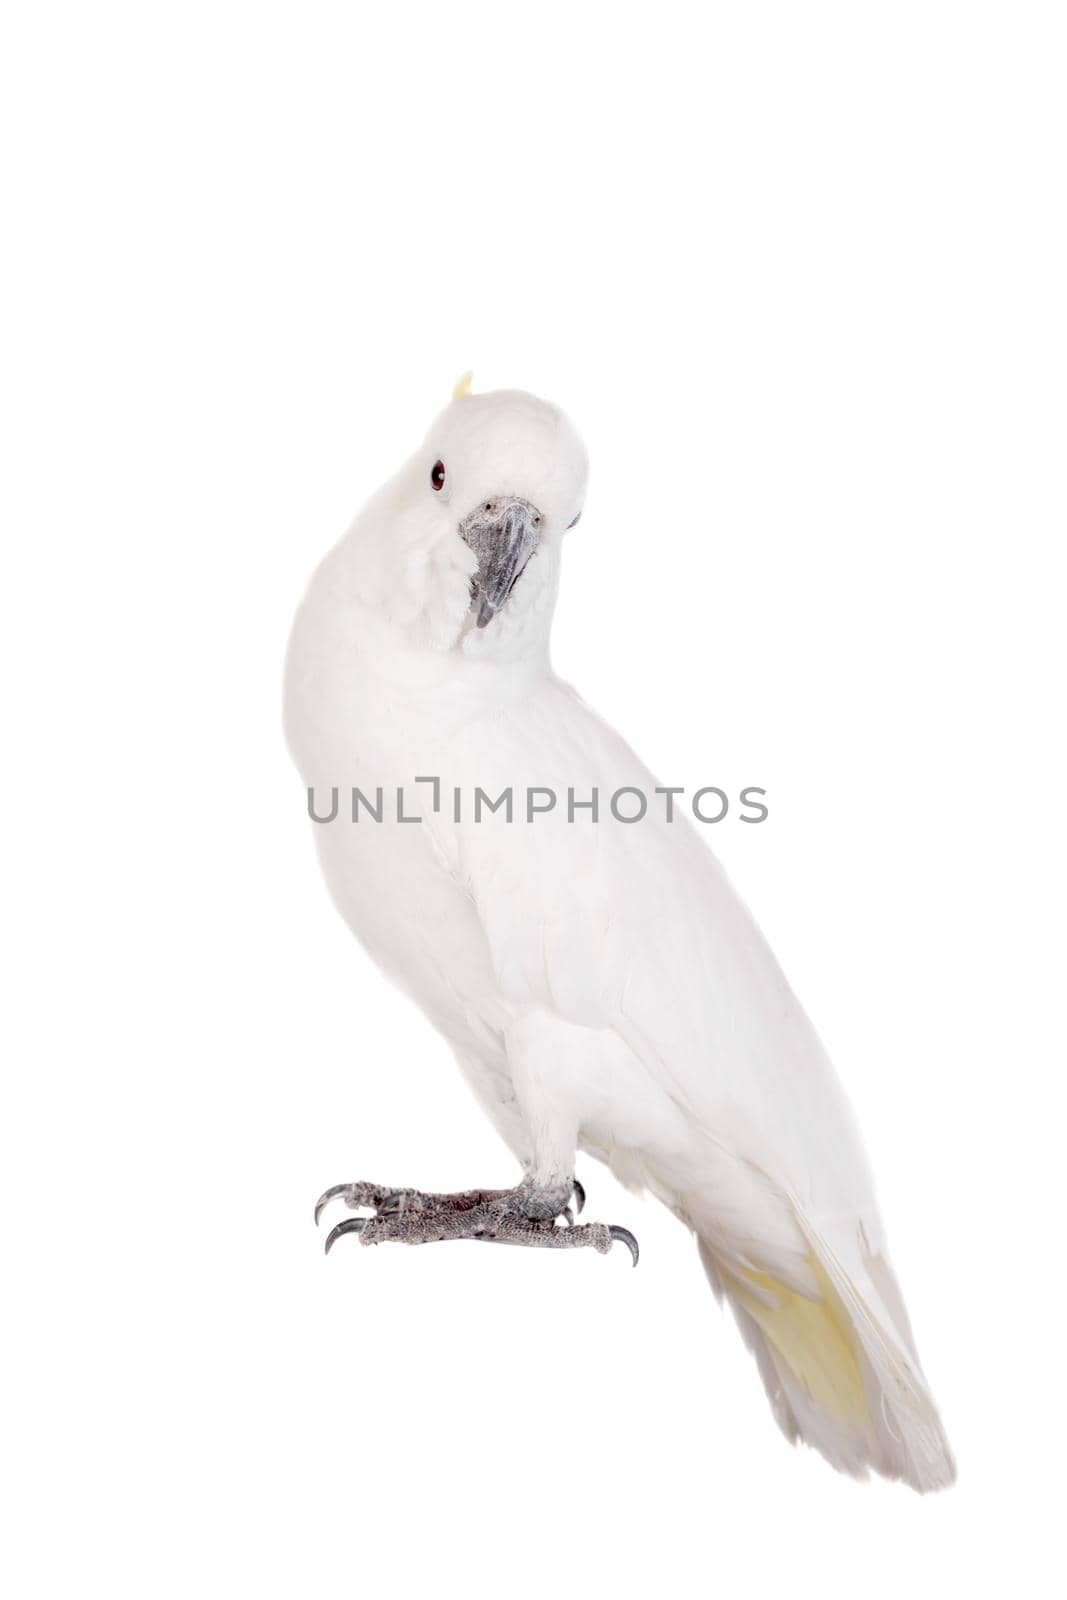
<point x="525" y="1215"/>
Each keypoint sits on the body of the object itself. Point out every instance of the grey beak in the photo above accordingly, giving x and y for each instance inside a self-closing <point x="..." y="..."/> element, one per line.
<point x="503" y="532"/>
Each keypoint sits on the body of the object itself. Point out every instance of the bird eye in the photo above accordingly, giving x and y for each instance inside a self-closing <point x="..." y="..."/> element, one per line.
<point x="437" y="476"/>
<point x="575" y="522"/>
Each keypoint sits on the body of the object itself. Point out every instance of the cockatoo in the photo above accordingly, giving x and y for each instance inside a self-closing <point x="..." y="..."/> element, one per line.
<point x="600" y="982"/>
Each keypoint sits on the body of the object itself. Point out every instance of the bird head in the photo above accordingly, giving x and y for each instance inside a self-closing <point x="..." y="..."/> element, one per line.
<point x="461" y="548"/>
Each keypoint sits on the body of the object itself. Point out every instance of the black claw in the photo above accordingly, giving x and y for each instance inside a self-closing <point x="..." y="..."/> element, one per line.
<point x="349" y="1225"/>
<point x="579" y="1198"/>
<point x="324" y="1199"/>
<point x="623" y="1235"/>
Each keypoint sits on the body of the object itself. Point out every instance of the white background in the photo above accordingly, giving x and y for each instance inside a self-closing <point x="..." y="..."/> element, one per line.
<point x="797" y="273"/>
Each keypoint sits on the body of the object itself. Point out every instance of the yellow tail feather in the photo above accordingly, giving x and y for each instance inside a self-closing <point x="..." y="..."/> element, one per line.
<point x="811" y="1342"/>
<point x="839" y="1367"/>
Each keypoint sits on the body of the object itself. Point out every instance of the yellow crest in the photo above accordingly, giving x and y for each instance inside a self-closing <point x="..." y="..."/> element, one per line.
<point x="463" y="386"/>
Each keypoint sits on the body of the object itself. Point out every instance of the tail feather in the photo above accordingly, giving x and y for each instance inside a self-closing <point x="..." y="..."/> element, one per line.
<point x="839" y="1363"/>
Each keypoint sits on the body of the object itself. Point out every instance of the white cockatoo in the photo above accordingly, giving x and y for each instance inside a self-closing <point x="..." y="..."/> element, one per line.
<point x="602" y="986"/>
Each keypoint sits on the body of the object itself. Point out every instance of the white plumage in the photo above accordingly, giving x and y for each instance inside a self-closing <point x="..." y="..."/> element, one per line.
<point x="602" y="985"/>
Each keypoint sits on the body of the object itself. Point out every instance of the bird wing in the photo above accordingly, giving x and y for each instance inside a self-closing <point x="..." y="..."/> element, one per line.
<point x="635" y="928"/>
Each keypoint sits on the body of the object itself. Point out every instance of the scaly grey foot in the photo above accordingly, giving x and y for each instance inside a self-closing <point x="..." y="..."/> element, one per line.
<point x="528" y="1215"/>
